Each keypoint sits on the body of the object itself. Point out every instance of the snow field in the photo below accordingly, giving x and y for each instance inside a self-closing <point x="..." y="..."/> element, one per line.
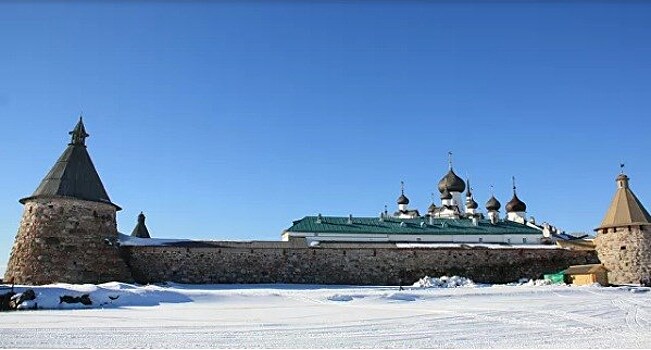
<point x="298" y="316"/>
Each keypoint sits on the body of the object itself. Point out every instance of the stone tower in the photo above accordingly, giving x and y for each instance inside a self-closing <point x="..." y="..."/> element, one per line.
<point x="623" y="240"/>
<point x="68" y="231"/>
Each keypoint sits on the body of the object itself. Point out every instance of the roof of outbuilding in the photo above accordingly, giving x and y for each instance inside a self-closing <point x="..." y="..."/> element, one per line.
<point x="584" y="269"/>
<point x="419" y="226"/>
<point x="73" y="175"/>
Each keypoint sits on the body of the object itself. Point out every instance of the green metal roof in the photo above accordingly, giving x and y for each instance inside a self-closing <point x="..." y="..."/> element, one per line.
<point x="419" y="226"/>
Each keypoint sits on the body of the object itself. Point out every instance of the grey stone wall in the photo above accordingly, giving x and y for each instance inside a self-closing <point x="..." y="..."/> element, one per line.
<point x="65" y="240"/>
<point x="369" y="264"/>
<point x="626" y="253"/>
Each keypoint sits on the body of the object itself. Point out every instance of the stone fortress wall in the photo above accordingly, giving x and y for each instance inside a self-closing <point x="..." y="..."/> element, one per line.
<point x="68" y="234"/>
<point x="352" y="264"/>
<point x="74" y="241"/>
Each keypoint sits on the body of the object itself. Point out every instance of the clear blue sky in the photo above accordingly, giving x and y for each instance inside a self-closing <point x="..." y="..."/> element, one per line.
<point x="227" y="120"/>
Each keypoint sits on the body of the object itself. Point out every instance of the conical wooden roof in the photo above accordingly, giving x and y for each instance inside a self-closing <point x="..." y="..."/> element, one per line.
<point x="625" y="209"/>
<point x="141" y="230"/>
<point x="73" y="175"/>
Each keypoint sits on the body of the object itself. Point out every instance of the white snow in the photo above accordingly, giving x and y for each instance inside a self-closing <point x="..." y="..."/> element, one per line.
<point x="444" y="282"/>
<point x="478" y="245"/>
<point x="136" y="241"/>
<point x="309" y="316"/>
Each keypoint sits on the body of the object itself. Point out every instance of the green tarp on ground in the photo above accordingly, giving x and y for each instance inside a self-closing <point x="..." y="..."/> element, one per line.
<point x="555" y="278"/>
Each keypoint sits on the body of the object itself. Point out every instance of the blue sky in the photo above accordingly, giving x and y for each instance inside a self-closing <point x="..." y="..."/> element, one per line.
<point x="227" y="120"/>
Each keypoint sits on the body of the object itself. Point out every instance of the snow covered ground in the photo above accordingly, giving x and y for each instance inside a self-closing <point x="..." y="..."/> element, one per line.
<point x="299" y="316"/>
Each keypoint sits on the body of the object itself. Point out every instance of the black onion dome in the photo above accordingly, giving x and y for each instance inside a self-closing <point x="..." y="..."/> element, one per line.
<point x="403" y="199"/>
<point x="452" y="183"/>
<point x="446" y="194"/>
<point x="515" y="205"/>
<point x="493" y="204"/>
<point x="471" y="204"/>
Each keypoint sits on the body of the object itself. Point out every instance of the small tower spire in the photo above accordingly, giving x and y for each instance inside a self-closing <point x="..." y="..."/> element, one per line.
<point x="402" y="200"/>
<point x="469" y="190"/>
<point x="515" y="208"/>
<point x="432" y="207"/>
<point x="471" y="205"/>
<point x="450" y="159"/>
<point x="140" y="230"/>
<point x="79" y="134"/>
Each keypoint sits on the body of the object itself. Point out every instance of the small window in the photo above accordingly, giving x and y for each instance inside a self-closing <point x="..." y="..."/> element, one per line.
<point x="418" y="239"/>
<point x="622" y="247"/>
<point x="508" y="240"/>
<point x="524" y="240"/>
<point x="481" y="239"/>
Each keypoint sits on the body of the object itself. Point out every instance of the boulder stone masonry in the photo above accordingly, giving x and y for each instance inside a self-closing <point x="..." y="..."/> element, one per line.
<point x="354" y="264"/>
<point x="66" y="240"/>
<point x="626" y="253"/>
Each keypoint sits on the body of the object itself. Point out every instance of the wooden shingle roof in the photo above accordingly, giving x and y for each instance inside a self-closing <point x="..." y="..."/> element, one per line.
<point x="140" y="230"/>
<point x="73" y="175"/>
<point x="625" y="209"/>
<point x="584" y="269"/>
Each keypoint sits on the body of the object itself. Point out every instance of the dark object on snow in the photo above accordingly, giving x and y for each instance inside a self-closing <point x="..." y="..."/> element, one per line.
<point x="84" y="299"/>
<point x="113" y="297"/>
<point x="645" y="282"/>
<point x="27" y="295"/>
<point x="20" y="298"/>
<point x="5" y="299"/>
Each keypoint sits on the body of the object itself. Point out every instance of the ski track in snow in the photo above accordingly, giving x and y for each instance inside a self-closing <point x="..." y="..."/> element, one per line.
<point x="347" y="317"/>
